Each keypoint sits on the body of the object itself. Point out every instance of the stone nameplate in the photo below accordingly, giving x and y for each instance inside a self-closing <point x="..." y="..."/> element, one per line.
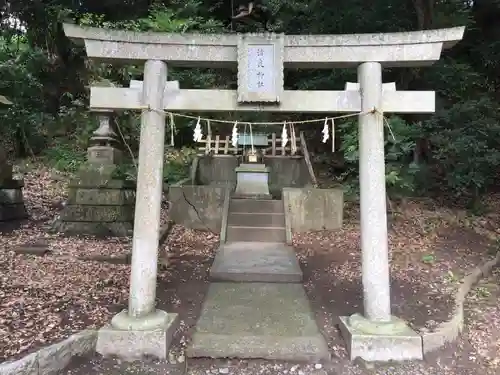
<point x="260" y="68"/>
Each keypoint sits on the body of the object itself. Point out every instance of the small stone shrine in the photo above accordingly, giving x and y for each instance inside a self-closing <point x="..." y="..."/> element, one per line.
<point x="252" y="176"/>
<point x="11" y="196"/>
<point x="98" y="202"/>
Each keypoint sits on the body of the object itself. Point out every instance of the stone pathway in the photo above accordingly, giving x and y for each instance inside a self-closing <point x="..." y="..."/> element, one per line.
<point x="262" y="261"/>
<point x="258" y="320"/>
<point x="257" y="307"/>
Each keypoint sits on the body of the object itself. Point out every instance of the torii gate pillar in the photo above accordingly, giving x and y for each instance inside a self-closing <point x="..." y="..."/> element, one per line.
<point x="376" y="335"/>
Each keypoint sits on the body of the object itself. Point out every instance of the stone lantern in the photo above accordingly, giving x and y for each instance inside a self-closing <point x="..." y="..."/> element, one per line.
<point x="100" y="202"/>
<point x="103" y="148"/>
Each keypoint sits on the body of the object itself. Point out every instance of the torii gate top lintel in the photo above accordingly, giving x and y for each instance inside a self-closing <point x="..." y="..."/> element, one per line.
<point x="416" y="48"/>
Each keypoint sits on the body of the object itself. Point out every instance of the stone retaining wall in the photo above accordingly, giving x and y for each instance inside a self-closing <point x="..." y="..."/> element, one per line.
<point x="52" y="359"/>
<point x="198" y="206"/>
<point x="310" y="209"/>
<point x="449" y="331"/>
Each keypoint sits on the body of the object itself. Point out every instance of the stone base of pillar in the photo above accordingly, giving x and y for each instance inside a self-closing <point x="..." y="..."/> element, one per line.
<point x="373" y="342"/>
<point x="98" y="205"/>
<point x="132" y="339"/>
<point x="11" y="201"/>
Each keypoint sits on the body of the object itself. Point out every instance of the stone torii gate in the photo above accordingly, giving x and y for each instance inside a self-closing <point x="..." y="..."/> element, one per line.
<point x="261" y="59"/>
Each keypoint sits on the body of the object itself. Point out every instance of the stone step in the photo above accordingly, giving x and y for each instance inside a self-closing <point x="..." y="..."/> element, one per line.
<point x="249" y="219"/>
<point x="258" y="234"/>
<point x="256" y="206"/>
<point x="267" y="262"/>
<point x="258" y="320"/>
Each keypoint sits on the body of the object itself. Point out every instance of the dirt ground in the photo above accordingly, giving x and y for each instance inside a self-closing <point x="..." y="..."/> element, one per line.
<point x="46" y="298"/>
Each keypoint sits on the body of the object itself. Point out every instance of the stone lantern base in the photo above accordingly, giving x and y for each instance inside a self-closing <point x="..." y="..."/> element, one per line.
<point x="98" y="205"/>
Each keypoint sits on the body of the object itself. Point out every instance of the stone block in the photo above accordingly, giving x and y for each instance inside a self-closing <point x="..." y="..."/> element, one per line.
<point x="27" y="365"/>
<point x="131" y="345"/>
<point x="402" y="345"/>
<point x="258" y="320"/>
<point x="286" y="173"/>
<point x="101" y="197"/>
<point x="39" y="249"/>
<point x="252" y="180"/>
<point x="217" y="170"/>
<point x="119" y="229"/>
<point x="98" y="204"/>
<point x="55" y="358"/>
<point x="92" y="180"/>
<point x="256" y="262"/>
<point x="97" y="213"/>
<point x="208" y="201"/>
<point x="104" y="155"/>
<point x="309" y="209"/>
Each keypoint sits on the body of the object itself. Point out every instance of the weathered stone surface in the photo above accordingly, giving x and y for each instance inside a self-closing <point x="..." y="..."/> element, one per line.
<point x="98" y="204"/>
<point x="33" y="249"/>
<point x="119" y="229"/>
<point x="286" y="173"/>
<point x="208" y="201"/>
<point x="134" y="344"/>
<point x="313" y="51"/>
<point x="373" y="195"/>
<point x="98" y="213"/>
<point x="402" y="345"/>
<point x="27" y="365"/>
<point x="52" y="359"/>
<point x="291" y="101"/>
<point x="83" y="342"/>
<point x="92" y="181"/>
<point x="258" y="320"/>
<point x="101" y="196"/>
<point x="217" y="170"/>
<point x="252" y="180"/>
<point x="309" y="209"/>
<point x="104" y="155"/>
<point x="256" y="262"/>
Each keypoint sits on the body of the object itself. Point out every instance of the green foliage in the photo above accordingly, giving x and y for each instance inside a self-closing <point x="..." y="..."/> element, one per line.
<point x="176" y="166"/>
<point x="160" y="19"/>
<point x="65" y="158"/>
<point x="466" y="146"/>
<point x="400" y="169"/>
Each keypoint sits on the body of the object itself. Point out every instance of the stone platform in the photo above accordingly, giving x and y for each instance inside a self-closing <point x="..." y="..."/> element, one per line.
<point x="392" y="341"/>
<point x="256" y="262"/>
<point x="258" y="320"/>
